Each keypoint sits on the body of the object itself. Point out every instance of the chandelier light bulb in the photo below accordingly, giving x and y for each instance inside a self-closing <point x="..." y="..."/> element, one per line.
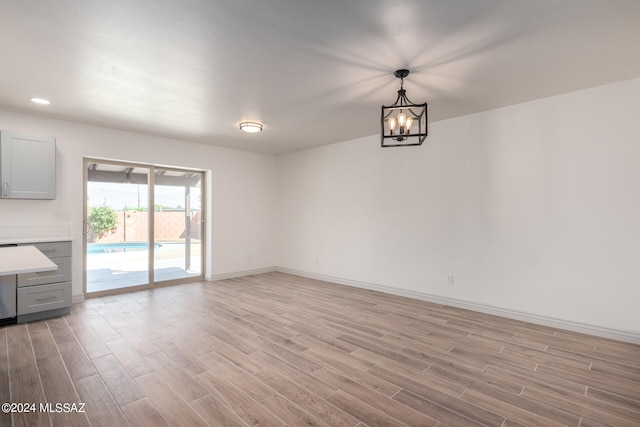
<point x="392" y="124"/>
<point x="408" y="125"/>
<point x="401" y="119"/>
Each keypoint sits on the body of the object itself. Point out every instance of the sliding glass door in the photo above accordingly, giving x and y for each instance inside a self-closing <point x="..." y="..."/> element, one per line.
<point x="177" y="224"/>
<point x="143" y="225"/>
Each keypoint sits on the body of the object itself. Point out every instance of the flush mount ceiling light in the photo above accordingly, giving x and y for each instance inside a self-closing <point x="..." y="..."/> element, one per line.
<point x="40" y="101"/>
<point x="251" y="127"/>
<point x="403" y="123"/>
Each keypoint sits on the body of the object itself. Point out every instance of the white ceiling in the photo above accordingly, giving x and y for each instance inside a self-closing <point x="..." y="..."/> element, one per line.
<point x="313" y="71"/>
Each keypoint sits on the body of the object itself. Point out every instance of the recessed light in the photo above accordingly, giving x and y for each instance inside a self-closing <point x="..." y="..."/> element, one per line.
<point x="41" y="101"/>
<point x="251" y="127"/>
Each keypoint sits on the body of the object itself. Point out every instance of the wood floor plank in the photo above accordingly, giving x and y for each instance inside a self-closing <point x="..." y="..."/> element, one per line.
<point x="370" y="397"/>
<point x="361" y="376"/>
<point x="29" y="390"/>
<point x="59" y="390"/>
<point x="102" y="328"/>
<point x="246" y="408"/>
<point x="622" y="386"/>
<point x="411" y="379"/>
<point x="60" y="330"/>
<point x="230" y="375"/>
<point x="290" y="371"/>
<point x="21" y="359"/>
<point x="489" y="355"/>
<point x="307" y="399"/>
<point x="290" y="357"/>
<point x="135" y="364"/>
<point x="443" y="397"/>
<point x="381" y="350"/>
<point x="232" y="354"/>
<point x="443" y="358"/>
<point x="334" y="352"/>
<point x="121" y="385"/>
<point x="583" y="407"/>
<point x="526" y="377"/>
<point x="188" y="362"/>
<point x="290" y="413"/>
<point x="91" y="343"/>
<point x="101" y="408"/>
<point x="473" y="380"/>
<point x="77" y="362"/>
<point x="176" y="378"/>
<point x="215" y="413"/>
<point x="171" y="406"/>
<point x="142" y="413"/>
<point x="305" y="331"/>
<point x="138" y="341"/>
<point x="43" y="344"/>
<point x="520" y="409"/>
<point x="232" y="335"/>
<point x="444" y="414"/>
<point x="615" y="371"/>
<point x="361" y="411"/>
<point x="543" y="357"/>
<point x="5" y="389"/>
<point x="613" y="399"/>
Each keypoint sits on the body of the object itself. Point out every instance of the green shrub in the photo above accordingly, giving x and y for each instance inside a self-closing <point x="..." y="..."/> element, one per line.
<point x="102" y="220"/>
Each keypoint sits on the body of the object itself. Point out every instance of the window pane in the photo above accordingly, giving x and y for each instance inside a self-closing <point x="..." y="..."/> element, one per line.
<point x="117" y="227"/>
<point x="177" y="224"/>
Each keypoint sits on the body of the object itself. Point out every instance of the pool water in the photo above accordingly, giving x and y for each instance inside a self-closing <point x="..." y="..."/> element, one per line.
<point x="108" y="248"/>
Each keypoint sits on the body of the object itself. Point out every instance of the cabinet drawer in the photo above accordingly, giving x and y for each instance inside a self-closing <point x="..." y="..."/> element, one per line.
<point x="33" y="299"/>
<point x="52" y="249"/>
<point x="62" y="274"/>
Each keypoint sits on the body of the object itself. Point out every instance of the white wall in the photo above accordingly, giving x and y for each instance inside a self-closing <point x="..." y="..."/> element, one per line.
<point x="242" y="195"/>
<point x="534" y="208"/>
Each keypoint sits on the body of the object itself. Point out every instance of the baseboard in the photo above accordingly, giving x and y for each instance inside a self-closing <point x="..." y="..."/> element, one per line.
<point x="75" y="299"/>
<point x="620" y="335"/>
<point x="233" y="275"/>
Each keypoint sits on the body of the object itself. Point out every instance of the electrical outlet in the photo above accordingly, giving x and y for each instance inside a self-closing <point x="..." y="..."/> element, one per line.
<point x="63" y="215"/>
<point x="249" y="257"/>
<point x="450" y="279"/>
<point x="317" y="260"/>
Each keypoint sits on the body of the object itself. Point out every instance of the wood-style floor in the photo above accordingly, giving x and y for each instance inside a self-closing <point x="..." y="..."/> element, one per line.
<point x="276" y="349"/>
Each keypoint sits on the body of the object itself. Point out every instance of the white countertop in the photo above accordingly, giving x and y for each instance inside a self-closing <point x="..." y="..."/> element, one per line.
<point x="13" y="240"/>
<point x="24" y="259"/>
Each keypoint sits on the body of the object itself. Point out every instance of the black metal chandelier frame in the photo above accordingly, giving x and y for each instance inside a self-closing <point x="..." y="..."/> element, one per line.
<point x="394" y="131"/>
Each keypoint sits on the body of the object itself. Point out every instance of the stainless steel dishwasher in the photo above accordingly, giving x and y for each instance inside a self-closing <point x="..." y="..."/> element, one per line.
<point x="8" y="297"/>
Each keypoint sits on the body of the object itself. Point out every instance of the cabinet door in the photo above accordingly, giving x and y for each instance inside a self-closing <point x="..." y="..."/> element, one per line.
<point x="34" y="299"/>
<point x="7" y="296"/>
<point x="62" y="274"/>
<point x="28" y="166"/>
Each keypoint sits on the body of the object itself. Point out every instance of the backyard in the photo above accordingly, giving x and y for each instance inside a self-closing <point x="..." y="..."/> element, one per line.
<point x="119" y="265"/>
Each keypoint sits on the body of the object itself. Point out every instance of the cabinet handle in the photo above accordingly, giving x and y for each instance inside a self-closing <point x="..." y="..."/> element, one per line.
<point x="39" y="299"/>
<point x="47" y="273"/>
<point x="5" y="188"/>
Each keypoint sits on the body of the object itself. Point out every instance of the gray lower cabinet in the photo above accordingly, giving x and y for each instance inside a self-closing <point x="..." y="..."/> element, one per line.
<point x="48" y="293"/>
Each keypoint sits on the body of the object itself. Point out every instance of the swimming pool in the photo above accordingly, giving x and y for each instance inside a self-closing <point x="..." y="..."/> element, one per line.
<point x="108" y="248"/>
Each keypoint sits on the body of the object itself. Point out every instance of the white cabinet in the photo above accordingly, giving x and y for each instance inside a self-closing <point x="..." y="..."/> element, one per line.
<point x="27" y="166"/>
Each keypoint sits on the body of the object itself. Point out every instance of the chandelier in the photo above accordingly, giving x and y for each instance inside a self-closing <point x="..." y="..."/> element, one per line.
<point x="403" y="123"/>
